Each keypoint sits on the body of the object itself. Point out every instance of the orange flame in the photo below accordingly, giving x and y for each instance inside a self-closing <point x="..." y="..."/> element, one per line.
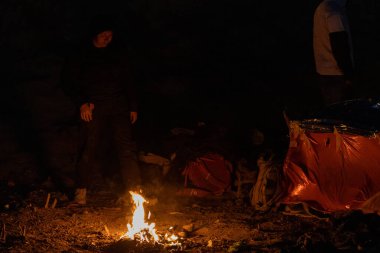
<point x="143" y="231"/>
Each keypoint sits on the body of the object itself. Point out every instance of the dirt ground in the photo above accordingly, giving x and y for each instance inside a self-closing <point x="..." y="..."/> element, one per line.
<point x="216" y="224"/>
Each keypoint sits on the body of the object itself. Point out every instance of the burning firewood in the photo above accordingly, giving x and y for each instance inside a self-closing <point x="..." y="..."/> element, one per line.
<point x="139" y="228"/>
<point x="144" y="232"/>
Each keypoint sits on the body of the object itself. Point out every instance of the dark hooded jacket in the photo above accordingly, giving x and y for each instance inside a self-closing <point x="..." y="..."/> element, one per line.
<point x="99" y="75"/>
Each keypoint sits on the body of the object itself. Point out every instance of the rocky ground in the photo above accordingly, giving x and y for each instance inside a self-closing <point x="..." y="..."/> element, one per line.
<point x="216" y="224"/>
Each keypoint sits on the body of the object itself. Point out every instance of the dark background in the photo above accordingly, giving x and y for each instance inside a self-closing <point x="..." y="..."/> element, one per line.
<point x="233" y="64"/>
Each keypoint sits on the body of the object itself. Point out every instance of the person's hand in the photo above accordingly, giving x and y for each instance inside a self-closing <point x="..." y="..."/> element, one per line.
<point x="86" y="111"/>
<point x="133" y="117"/>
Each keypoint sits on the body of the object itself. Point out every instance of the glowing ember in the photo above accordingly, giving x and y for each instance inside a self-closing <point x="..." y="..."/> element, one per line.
<point x="171" y="238"/>
<point x="139" y="229"/>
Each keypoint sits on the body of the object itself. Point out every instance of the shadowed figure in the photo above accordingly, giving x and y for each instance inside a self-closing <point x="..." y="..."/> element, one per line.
<point x="333" y="51"/>
<point x="99" y="80"/>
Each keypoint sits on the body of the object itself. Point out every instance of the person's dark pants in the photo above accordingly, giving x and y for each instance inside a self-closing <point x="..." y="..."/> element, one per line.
<point x="334" y="89"/>
<point x="116" y="119"/>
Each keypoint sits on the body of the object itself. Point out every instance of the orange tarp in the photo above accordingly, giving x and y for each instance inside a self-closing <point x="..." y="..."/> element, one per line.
<point x="331" y="170"/>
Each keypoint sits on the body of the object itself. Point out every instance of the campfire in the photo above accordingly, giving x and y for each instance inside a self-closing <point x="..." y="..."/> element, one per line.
<point x="144" y="232"/>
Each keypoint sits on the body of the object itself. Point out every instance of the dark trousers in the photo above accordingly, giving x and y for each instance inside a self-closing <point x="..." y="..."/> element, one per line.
<point x="114" y="118"/>
<point x="334" y="89"/>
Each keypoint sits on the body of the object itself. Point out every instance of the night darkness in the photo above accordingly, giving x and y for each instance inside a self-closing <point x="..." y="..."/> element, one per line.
<point x="235" y="65"/>
<point x="231" y="64"/>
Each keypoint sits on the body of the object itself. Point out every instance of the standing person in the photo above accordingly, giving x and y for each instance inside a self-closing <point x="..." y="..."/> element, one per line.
<point x="333" y="51"/>
<point x="100" y="82"/>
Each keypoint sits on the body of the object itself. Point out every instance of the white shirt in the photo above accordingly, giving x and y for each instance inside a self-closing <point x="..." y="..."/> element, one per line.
<point x="329" y="17"/>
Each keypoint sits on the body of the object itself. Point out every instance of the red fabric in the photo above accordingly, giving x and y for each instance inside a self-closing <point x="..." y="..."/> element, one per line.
<point x="209" y="173"/>
<point x="331" y="171"/>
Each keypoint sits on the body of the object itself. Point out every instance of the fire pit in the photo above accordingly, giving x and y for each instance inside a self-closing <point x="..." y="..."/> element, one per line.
<point x="143" y="233"/>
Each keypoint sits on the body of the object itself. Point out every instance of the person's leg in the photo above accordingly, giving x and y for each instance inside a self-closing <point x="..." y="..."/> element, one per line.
<point x="332" y="89"/>
<point x="90" y="134"/>
<point x="126" y="150"/>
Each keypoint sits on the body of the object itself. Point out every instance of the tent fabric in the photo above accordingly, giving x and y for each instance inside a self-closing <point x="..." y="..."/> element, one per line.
<point x="331" y="168"/>
<point x="206" y="175"/>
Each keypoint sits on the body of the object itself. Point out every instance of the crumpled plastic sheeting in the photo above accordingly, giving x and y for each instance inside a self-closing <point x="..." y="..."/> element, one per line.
<point x="333" y="170"/>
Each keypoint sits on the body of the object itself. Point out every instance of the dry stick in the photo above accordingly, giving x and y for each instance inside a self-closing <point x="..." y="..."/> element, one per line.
<point x="106" y="229"/>
<point x="47" y="201"/>
<point x="3" y="234"/>
<point x="54" y="203"/>
<point x="22" y="230"/>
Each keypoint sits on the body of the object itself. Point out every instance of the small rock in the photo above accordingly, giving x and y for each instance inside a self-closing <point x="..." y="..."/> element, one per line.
<point x="202" y="231"/>
<point x="235" y="247"/>
<point x="189" y="227"/>
<point x="182" y="234"/>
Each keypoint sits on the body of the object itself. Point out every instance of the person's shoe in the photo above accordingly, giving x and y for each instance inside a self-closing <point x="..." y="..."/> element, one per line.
<point x="80" y="196"/>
